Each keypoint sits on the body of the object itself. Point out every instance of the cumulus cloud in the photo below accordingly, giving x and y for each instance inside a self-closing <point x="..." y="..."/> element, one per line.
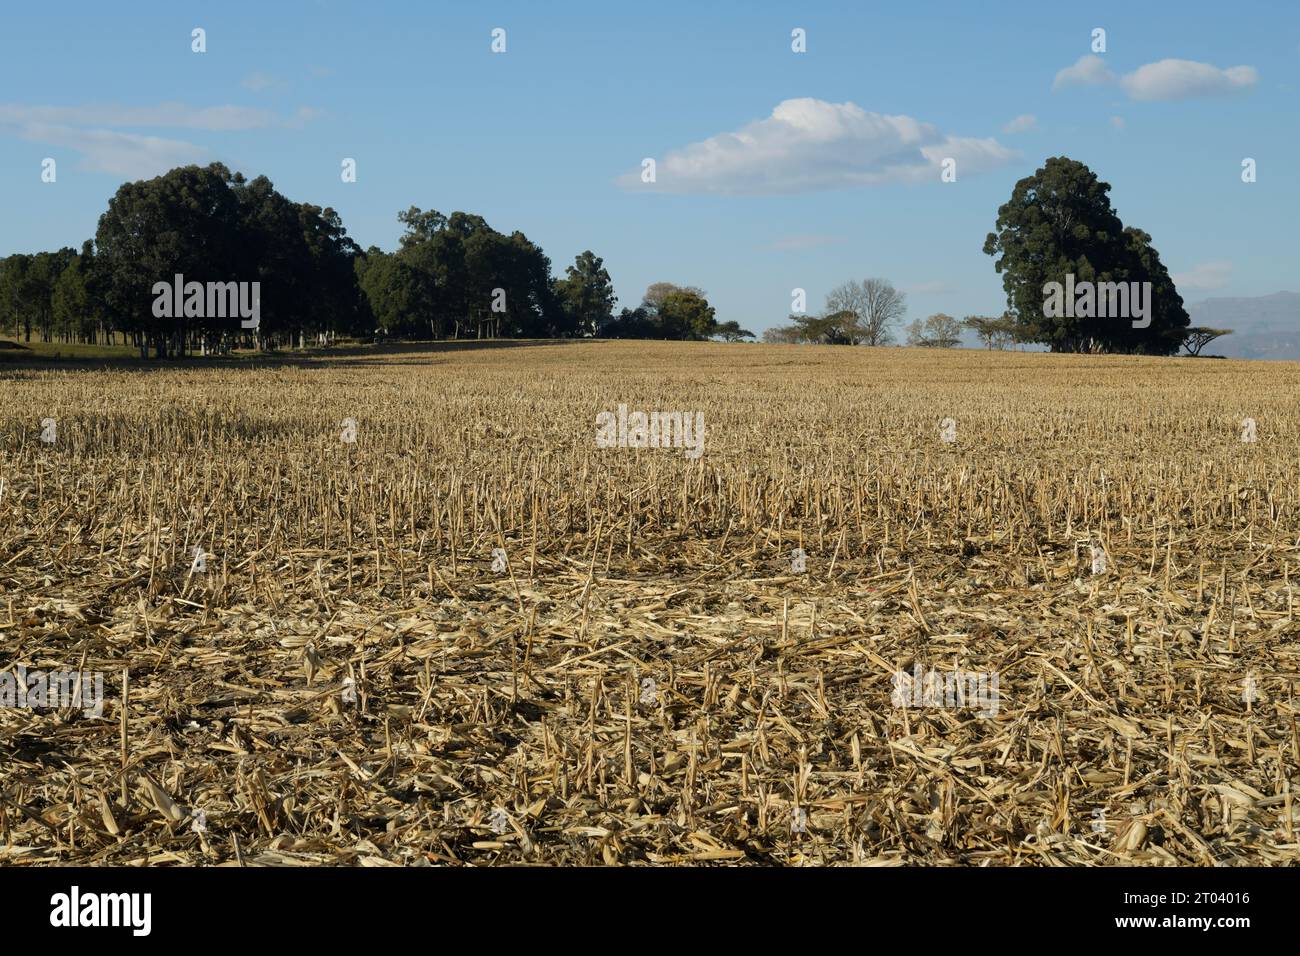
<point x="1021" y="124"/>
<point x="121" y="154"/>
<point x="809" y="144"/>
<point x="1089" y="70"/>
<point x="1163" y="80"/>
<point x="1180" y="79"/>
<point x="1207" y="275"/>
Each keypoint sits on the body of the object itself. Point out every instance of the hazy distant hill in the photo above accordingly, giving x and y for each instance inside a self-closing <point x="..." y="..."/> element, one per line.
<point x="1264" y="327"/>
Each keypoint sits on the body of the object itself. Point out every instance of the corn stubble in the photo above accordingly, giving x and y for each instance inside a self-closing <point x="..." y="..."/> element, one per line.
<point x="350" y="682"/>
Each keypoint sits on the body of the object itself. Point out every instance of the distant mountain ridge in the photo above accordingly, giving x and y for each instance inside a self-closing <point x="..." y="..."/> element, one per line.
<point x="1264" y="327"/>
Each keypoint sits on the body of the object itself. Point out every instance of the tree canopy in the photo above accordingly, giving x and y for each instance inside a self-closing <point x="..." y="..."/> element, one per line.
<point x="996" y="333"/>
<point x="587" y="293"/>
<point x="451" y="275"/>
<point x="1059" y="223"/>
<point x="669" y="311"/>
<point x="1199" y="336"/>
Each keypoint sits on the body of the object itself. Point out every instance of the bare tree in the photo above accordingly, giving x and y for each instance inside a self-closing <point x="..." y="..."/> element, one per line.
<point x="849" y="297"/>
<point x="783" y="335"/>
<point x="877" y="305"/>
<point x="938" y="331"/>
<point x="856" y="313"/>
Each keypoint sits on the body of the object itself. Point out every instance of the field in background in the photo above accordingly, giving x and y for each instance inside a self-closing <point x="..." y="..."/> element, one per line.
<point x="13" y="351"/>
<point x="350" y="680"/>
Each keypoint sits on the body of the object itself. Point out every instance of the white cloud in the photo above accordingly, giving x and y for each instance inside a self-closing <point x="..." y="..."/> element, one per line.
<point x="169" y="115"/>
<point x="1179" y="79"/>
<point x="92" y="131"/>
<point x="809" y="144"/>
<point x="1163" y="80"/>
<point x="121" y="154"/>
<point x="1207" y="275"/>
<point x="1088" y="70"/>
<point x="1021" y="124"/>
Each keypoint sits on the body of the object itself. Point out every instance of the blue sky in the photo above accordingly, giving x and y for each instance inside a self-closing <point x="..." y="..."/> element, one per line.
<point x="841" y="182"/>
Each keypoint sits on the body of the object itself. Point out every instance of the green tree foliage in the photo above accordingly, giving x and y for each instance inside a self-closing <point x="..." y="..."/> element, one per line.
<point x="185" y="222"/>
<point x="638" y="323"/>
<point x="669" y="311"/>
<point x="396" y="294"/>
<point x="586" y="294"/>
<point x="658" y="291"/>
<point x="456" y="275"/>
<point x="70" y="301"/>
<point x="686" y="315"/>
<point x="1199" y="336"/>
<point x="731" y="332"/>
<point x="303" y="258"/>
<point x="834" y="328"/>
<point x="27" y="289"/>
<point x="14" y="306"/>
<point x="995" y="333"/>
<point x="451" y="276"/>
<point x="210" y="225"/>
<point x="1059" y="222"/>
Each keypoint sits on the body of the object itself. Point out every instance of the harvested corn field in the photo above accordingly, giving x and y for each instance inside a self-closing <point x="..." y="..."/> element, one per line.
<point x="399" y="607"/>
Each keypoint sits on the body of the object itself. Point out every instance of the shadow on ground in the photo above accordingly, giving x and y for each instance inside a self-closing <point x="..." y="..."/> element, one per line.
<point x="352" y="355"/>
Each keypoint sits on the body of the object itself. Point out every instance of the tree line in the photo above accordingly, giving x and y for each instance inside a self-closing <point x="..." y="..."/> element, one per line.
<point x="452" y="276"/>
<point x="205" y="224"/>
<point x="1058" y="227"/>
